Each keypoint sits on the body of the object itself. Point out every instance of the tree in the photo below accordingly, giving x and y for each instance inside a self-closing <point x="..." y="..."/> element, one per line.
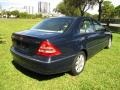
<point x="107" y="9"/>
<point x="23" y="15"/>
<point x="117" y="11"/>
<point x="99" y="2"/>
<point x="15" y="13"/>
<point x="4" y="13"/>
<point x="95" y="16"/>
<point x="75" y="7"/>
<point x="67" y="9"/>
<point x="8" y="13"/>
<point x="100" y="8"/>
<point x="61" y="8"/>
<point x="81" y="5"/>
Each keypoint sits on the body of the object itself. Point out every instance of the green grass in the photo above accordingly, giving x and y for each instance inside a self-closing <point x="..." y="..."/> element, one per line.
<point x="102" y="72"/>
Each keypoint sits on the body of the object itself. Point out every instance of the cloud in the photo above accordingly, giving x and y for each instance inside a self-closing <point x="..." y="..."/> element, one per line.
<point x="116" y="2"/>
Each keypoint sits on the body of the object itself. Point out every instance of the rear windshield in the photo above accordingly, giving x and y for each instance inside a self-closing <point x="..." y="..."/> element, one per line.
<point x="54" y="25"/>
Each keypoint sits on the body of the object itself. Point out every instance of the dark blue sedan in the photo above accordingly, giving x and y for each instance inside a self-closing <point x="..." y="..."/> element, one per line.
<point x="60" y="44"/>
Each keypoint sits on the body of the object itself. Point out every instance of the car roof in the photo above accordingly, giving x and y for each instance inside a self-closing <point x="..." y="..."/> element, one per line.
<point x="72" y="17"/>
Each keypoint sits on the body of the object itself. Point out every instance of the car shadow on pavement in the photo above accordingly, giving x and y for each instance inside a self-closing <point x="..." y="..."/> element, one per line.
<point x="34" y="75"/>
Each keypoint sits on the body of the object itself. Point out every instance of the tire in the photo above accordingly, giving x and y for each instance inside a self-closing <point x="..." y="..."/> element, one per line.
<point x="78" y="64"/>
<point x="109" y="43"/>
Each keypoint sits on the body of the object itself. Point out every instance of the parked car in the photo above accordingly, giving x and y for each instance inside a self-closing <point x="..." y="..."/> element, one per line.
<point x="60" y="44"/>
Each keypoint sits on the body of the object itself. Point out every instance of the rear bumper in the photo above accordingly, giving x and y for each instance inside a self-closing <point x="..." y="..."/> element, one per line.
<point x="38" y="66"/>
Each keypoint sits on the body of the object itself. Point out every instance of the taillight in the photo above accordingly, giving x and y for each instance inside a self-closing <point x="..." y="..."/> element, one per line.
<point x="48" y="49"/>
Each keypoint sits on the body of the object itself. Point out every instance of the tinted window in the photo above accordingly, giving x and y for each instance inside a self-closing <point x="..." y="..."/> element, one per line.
<point x="54" y="24"/>
<point x="87" y="27"/>
<point x="98" y="26"/>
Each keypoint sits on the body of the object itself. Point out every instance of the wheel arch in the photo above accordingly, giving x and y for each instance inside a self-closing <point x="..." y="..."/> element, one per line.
<point x="86" y="53"/>
<point x="111" y="37"/>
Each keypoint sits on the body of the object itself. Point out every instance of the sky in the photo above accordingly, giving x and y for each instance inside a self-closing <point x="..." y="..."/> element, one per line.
<point x="20" y="3"/>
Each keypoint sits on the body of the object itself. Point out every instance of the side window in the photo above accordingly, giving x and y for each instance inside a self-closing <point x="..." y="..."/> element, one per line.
<point x="98" y="26"/>
<point x="86" y="27"/>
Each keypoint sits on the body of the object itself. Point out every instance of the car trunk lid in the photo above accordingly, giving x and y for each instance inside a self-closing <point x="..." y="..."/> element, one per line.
<point x="27" y="42"/>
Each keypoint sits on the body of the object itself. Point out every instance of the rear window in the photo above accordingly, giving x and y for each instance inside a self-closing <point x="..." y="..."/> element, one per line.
<point x="54" y="25"/>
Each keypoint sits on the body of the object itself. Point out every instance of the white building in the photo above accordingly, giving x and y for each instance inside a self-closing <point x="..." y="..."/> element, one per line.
<point x="29" y="9"/>
<point x="43" y="7"/>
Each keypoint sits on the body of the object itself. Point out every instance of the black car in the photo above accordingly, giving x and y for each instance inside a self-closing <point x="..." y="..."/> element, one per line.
<point x="60" y="44"/>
